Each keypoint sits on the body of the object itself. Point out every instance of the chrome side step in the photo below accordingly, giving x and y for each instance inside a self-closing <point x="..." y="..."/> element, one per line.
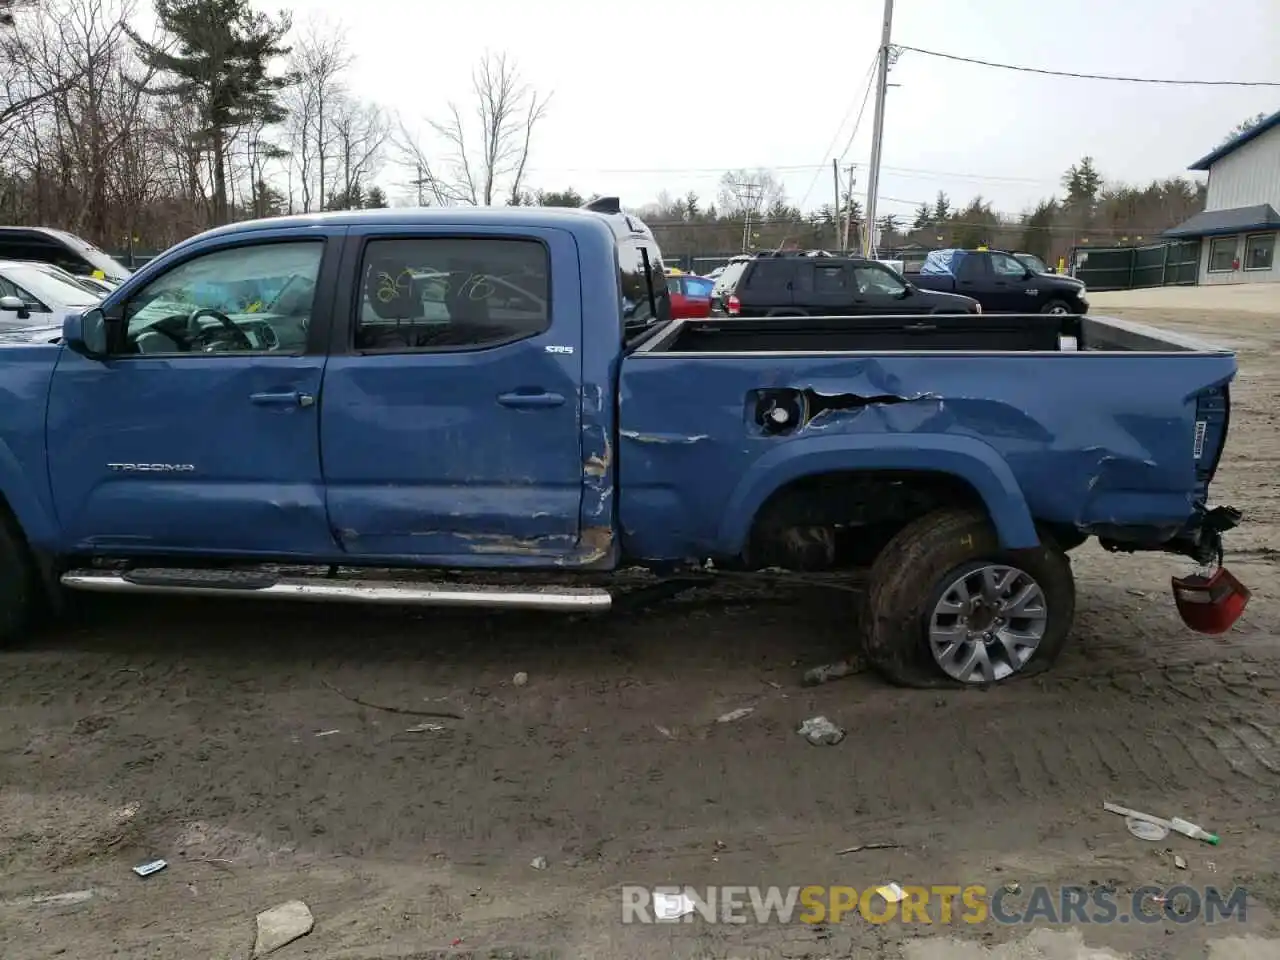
<point x="262" y="583"/>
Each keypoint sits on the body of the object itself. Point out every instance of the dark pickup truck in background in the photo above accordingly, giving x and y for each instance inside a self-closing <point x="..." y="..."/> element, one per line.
<point x="999" y="282"/>
<point x="817" y="284"/>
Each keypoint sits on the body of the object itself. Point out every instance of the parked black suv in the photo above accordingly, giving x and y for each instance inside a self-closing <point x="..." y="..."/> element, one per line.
<point x="819" y="284"/>
<point x="60" y="248"/>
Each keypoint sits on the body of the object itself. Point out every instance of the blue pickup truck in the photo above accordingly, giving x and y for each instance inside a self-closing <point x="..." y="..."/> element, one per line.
<point x="309" y="407"/>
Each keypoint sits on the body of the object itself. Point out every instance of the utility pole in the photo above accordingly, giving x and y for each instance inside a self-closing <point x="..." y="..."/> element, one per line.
<point x="421" y="182"/>
<point x="835" y="211"/>
<point x="848" y="210"/>
<point x="749" y="196"/>
<point x="882" y="84"/>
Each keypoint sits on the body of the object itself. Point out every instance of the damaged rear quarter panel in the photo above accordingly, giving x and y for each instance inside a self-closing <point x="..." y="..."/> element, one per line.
<point x="1074" y="438"/>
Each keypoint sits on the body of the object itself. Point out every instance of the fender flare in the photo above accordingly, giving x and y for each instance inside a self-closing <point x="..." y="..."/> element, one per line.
<point x="31" y="511"/>
<point x="966" y="458"/>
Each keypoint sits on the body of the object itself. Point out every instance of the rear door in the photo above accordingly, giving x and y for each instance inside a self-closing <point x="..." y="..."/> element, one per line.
<point x="450" y="424"/>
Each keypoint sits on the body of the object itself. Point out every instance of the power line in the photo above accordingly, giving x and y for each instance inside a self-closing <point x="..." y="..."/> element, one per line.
<point x="999" y="224"/>
<point x="907" y="172"/>
<point x="857" y="123"/>
<point x="834" y="140"/>
<point x="836" y="137"/>
<point x="1092" y="76"/>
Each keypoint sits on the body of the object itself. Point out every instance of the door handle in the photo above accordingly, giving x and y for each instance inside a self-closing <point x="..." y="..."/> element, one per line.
<point x="289" y="398"/>
<point x="530" y="399"/>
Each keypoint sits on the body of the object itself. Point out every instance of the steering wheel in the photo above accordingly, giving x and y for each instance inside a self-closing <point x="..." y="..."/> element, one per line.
<point x="195" y="333"/>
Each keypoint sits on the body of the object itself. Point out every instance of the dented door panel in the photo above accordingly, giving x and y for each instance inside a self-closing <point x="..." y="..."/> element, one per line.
<point x="440" y="450"/>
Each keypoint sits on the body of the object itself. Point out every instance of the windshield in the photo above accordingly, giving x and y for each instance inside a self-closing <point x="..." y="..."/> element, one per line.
<point x="114" y="269"/>
<point x="1031" y="262"/>
<point x="49" y="288"/>
<point x="95" y="287"/>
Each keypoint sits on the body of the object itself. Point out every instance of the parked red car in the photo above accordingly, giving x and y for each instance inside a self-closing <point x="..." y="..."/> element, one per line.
<point x="690" y="295"/>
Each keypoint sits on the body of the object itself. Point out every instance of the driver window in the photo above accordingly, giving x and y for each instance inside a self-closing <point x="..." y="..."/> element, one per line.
<point x="254" y="299"/>
<point x="874" y="279"/>
<point x="1006" y="266"/>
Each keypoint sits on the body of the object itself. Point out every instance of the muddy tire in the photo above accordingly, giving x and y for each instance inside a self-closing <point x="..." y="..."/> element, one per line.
<point x="19" y="589"/>
<point x="947" y="607"/>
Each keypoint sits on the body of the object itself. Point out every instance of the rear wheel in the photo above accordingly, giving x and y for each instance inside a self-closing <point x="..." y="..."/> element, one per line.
<point x="948" y="607"/>
<point x="18" y="586"/>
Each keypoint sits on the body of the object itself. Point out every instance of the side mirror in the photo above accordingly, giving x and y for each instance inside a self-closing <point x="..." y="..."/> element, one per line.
<point x="14" y="305"/>
<point x="86" y="333"/>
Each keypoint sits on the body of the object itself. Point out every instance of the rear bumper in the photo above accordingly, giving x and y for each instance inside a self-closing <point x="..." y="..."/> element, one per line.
<point x="1200" y="538"/>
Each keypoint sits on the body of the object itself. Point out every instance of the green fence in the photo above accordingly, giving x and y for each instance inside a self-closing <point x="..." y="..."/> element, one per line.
<point x="1134" y="268"/>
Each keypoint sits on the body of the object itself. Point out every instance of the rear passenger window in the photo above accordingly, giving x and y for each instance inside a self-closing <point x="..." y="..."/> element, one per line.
<point x="830" y="279"/>
<point x="970" y="268"/>
<point x="769" y="275"/>
<point x="451" y="293"/>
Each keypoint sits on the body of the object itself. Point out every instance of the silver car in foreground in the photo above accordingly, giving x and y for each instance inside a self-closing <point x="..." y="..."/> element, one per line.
<point x="29" y="292"/>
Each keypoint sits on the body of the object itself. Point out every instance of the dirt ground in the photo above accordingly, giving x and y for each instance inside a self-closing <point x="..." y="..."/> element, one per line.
<point x="223" y="739"/>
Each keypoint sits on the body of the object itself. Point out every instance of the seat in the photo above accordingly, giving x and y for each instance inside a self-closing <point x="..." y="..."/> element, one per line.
<point x="392" y="294"/>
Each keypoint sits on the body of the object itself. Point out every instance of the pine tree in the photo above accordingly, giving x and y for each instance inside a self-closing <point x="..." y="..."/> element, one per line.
<point x="1083" y="183"/>
<point x="220" y="61"/>
<point x="922" y="217"/>
<point x="375" y="199"/>
<point x="941" y="208"/>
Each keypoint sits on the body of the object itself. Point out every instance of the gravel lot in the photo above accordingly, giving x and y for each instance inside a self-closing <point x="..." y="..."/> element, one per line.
<point x="192" y="731"/>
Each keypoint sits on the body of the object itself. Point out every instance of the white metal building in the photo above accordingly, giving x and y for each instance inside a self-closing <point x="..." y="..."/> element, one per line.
<point x="1239" y="229"/>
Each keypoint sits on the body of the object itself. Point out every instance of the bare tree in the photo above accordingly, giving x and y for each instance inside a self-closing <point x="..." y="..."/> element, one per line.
<point x="361" y="130"/>
<point x="427" y="188"/>
<point x="745" y="192"/>
<point x="320" y="61"/>
<point x="494" y="151"/>
<point x="33" y="68"/>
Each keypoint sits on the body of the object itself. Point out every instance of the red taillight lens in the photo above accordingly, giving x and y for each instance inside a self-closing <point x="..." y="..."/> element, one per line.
<point x="1210" y="604"/>
<point x="733" y="306"/>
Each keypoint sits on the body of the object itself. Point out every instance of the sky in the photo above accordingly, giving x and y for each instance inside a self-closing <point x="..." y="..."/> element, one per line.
<point x="668" y="95"/>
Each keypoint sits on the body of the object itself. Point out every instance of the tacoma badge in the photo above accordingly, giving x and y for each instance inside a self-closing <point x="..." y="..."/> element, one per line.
<point x="152" y="467"/>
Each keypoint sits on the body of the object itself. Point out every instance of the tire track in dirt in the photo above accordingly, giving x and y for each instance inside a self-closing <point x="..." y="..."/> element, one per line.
<point x="1093" y="729"/>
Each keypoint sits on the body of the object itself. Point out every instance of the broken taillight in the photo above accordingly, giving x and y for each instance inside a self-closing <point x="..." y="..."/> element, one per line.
<point x="733" y="306"/>
<point x="1210" y="604"/>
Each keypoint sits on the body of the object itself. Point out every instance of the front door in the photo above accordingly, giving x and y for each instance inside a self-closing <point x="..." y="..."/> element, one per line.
<point x="451" y="429"/>
<point x="1015" y="292"/>
<point x="878" y="290"/>
<point x="199" y="433"/>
